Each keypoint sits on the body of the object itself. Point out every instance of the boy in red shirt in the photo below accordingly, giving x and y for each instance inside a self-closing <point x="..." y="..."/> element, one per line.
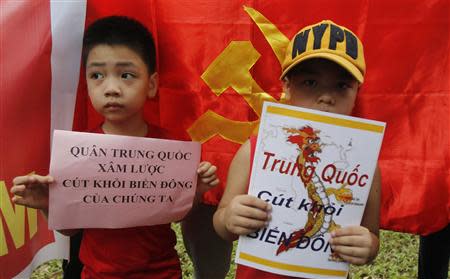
<point x="119" y="58"/>
<point x="323" y="69"/>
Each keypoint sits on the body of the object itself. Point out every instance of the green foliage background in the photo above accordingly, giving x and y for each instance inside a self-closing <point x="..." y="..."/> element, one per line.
<point x="397" y="259"/>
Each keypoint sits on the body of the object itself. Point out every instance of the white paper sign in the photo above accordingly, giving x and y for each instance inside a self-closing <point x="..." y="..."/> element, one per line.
<point x="316" y="170"/>
<point x="111" y="181"/>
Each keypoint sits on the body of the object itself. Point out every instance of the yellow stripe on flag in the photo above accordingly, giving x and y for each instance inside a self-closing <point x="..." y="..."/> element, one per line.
<point x="291" y="267"/>
<point x="326" y="119"/>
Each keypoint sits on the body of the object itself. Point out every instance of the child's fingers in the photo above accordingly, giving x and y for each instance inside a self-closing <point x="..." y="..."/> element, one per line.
<point x="209" y="171"/>
<point x="353" y="260"/>
<point x="18" y="200"/>
<point x="31" y="179"/>
<point x="253" y="213"/>
<point x="249" y="223"/>
<point x="214" y="182"/>
<point x="349" y="240"/>
<point x="25" y="201"/>
<point x="350" y="251"/>
<point x="255" y="202"/>
<point x="203" y="166"/>
<point x="42" y="179"/>
<point x="18" y="190"/>
<point x="242" y="225"/>
<point x="21" y="180"/>
<point x="241" y="230"/>
<point x="208" y="179"/>
<point x="350" y="230"/>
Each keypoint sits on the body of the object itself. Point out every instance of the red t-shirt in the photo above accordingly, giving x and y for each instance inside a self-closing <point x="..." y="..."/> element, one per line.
<point x="140" y="252"/>
<point x="245" y="272"/>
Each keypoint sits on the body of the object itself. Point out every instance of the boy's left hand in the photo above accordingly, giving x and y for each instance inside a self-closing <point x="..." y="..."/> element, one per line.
<point x="207" y="177"/>
<point x="355" y="244"/>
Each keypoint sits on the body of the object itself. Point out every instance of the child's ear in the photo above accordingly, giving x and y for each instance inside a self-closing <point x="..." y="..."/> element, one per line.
<point x="358" y="89"/>
<point x="152" y="85"/>
<point x="286" y="89"/>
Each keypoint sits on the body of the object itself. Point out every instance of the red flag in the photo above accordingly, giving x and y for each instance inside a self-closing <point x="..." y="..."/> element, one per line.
<point x="406" y="85"/>
<point x="25" y="87"/>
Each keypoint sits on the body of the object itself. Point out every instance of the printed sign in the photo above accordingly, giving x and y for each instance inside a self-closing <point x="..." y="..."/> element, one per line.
<point x="109" y="181"/>
<point x="316" y="170"/>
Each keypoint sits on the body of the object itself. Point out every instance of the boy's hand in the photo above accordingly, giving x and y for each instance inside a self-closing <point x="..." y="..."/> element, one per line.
<point x="246" y="214"/>
<point x="355" y="244"/>
<point x="207" y="177"/>
<point x="31" y="191"/>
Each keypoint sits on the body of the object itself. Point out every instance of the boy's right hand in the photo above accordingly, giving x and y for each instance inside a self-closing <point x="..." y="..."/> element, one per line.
<point x="246" y="214"/>
<point x="31" y="191"/>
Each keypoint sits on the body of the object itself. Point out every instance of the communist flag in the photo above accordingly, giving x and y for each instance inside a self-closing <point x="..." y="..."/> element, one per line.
<point x="25" y="103"/>
<point x="218" y="60"/>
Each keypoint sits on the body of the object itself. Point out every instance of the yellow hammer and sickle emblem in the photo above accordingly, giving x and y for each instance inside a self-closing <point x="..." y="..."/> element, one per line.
<point x="232" y="69"/>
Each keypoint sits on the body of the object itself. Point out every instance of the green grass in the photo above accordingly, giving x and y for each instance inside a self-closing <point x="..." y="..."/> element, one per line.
<point x="397" y="259"/>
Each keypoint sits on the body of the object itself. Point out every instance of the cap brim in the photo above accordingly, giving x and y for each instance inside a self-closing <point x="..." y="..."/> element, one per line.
<point x="352" y="69"/>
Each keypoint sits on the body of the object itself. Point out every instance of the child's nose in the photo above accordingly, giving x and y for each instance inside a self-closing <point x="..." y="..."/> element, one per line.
<point x="112" y="88"/>
<point x="326" y="97"/>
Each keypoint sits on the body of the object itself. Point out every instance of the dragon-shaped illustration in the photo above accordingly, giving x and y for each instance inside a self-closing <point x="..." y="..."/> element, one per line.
<point x="318" y="223"/>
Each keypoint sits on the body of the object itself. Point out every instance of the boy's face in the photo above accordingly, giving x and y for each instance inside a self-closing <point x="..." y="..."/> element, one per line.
<point x="322" y="85"/>
<point x="118" y="82"/>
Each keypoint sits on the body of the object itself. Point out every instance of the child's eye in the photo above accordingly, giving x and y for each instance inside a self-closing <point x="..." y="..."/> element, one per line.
<point x="96" y="76"/>
<point x="309" y="82"/>
<point x="344" y="85"/>
<point x="127" y="76"/>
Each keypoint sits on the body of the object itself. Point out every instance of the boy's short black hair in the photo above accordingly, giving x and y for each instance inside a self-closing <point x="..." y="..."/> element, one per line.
<point x="121" y="31"/>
